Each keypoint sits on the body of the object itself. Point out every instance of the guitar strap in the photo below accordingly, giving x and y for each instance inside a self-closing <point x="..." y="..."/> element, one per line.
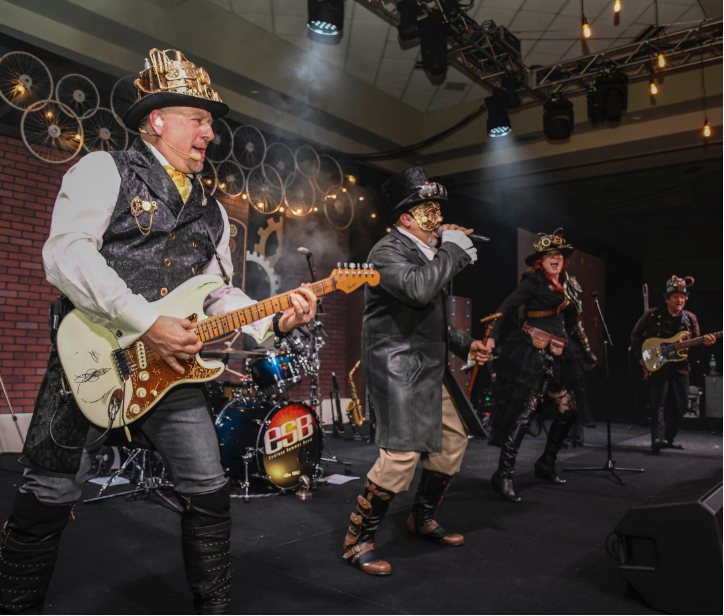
<point x="224" y="275"/>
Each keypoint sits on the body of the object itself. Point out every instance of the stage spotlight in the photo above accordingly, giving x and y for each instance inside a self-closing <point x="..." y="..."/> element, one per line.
<point x="558" y="119"/>
<point x="433" y="43"/>
<point x="612" y="93"/>
<point x="707" y="128"/>
<point x="511" y="98"/>
<point x="617" y="6"/>
<point x="586" y="28"/>
<point x="407" y="29"/>
<point x="325" y="20"/>
<point x="661" y="60"/>
<point x="594" y="110"/>
<point x="498" y="120"/>
<point x="653" y="90"/>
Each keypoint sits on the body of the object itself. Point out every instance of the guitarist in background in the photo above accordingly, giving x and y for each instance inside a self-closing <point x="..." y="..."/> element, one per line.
<point x="128" y="228"/>
<point x="672" y="377"/>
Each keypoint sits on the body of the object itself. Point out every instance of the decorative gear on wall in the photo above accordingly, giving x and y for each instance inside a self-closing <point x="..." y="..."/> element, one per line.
<point x="274" y="226"/>
<point x="273" y="278"/>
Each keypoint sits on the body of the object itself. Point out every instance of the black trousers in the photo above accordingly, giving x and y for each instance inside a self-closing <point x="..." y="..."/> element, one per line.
<point x="668" y="397"/>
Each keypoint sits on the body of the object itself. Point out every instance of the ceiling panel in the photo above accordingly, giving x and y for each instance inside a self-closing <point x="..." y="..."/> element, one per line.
<point x="549" y="30"/>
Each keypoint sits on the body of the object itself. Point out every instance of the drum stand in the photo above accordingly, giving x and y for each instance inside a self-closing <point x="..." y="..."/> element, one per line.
<point x="146" y="484"/>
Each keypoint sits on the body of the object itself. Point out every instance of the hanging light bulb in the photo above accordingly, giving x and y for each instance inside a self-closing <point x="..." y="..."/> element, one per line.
<point x="661" y="60"/>
<point x="586" y="28"/>
<point x="652" y="87"/>
<point x="707" y="128"/>
<point x="374" y="215"/>
<point x="281" y="209"/>
<point x="20" y="88"/>
<point x="617" y="6"/>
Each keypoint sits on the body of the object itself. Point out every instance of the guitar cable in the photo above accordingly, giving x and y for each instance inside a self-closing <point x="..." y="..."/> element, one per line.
<point x="68" y="447"/>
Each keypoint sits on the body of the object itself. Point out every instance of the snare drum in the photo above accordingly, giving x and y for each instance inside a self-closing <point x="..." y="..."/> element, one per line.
<point x="280" y="442"/>
<point x="275" y="373"/>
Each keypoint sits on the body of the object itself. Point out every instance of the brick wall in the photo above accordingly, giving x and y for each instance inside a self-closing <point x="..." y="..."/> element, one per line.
<point x="28" y="188"/>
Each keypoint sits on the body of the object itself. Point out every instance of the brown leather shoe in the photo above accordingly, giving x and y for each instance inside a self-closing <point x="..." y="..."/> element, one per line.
<point x="363" y="557"/>
<point x="432" y="531"/>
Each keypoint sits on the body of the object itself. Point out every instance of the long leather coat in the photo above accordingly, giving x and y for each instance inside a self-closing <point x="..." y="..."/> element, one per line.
<point x="405" y="341"/>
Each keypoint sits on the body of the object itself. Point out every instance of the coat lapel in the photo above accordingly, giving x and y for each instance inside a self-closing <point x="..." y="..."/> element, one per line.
<point x="146" y="165"/>
<point x="193" y="207"/>
<point x="411" y="245"/>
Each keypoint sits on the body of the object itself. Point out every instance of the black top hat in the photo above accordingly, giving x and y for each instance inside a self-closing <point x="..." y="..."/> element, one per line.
<point x="678" y="285"/>
<point x="172" y="81"/>
<point x="549" y="243"/>
<point x="406" y="189"/>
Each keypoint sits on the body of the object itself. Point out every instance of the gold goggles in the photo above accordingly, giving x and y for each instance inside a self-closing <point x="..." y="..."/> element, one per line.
<point x="427" y="215"/>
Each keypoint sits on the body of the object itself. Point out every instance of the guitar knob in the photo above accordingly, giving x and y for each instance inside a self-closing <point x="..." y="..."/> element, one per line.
<point x="134" y="409"/>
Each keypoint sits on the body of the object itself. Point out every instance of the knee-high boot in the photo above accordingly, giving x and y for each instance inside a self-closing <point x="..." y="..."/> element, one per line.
<point x="359" y="543"/>
<point x="545" y="466"/>
<point x="422" y="523"/>
<point x="206" y="544"/>
<point x="28" y="550"/>
<point x="502" y="479"/>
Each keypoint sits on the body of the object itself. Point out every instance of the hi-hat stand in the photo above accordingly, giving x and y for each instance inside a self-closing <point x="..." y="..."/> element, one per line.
<point x="610" y="464"/>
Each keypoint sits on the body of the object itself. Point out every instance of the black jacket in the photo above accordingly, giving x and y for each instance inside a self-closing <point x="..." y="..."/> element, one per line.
<point x="405" y="341"/>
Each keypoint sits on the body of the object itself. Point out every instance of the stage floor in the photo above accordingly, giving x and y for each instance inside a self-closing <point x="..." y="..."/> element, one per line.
<point x="544" y="555"/>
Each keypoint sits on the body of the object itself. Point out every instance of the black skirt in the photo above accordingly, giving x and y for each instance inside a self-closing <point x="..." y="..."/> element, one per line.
<point x="520" y="372"/>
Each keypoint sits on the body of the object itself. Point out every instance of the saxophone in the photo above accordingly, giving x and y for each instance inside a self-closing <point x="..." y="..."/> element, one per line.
<point x="354" y="410"/>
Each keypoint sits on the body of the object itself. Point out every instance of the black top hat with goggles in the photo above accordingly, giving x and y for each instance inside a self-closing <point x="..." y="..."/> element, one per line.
<point x="170" y="80"/>
<point x="409" y="188"/>
<point x="678" y="285"/>
<point x="550" y="243"/>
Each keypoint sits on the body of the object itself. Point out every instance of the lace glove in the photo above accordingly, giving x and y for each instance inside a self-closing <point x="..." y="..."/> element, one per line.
<point x="462" y="240"/>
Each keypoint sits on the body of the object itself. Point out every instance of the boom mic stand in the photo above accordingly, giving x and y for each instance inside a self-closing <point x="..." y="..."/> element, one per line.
<point x="610" y="464"/>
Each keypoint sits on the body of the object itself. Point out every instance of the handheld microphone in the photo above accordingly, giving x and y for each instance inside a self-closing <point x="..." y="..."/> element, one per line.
<point x="303" y="251"/>
<point x="192" y="155"/>
<point x="473" y="236"/>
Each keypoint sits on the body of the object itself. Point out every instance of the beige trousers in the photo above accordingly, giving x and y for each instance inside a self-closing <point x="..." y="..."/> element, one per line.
<point x="395" y="469"/>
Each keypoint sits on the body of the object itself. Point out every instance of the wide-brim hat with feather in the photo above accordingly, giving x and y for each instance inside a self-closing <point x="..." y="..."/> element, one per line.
<point x="548" y="243"/>
<point x="406" y="189"/>
<point x="170" y="80"/>
<point x="678" y="285"/>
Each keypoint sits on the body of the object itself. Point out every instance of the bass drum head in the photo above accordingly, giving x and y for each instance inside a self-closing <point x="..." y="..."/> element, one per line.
<point x="291" y="445"/>
<point x="237" y="425"/>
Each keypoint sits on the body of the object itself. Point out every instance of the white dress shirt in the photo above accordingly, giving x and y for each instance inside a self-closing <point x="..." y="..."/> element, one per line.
<point x="74" y="264"/>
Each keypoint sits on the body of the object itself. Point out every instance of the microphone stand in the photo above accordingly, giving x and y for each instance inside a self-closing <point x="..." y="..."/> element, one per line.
<point x="610" y="464"/>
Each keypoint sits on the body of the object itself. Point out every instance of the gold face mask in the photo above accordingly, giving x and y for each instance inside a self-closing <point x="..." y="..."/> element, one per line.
<point x="427" y="215"/>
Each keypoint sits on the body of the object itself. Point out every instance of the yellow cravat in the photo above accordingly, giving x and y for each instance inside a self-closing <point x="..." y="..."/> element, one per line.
<point x="182" y="183"/>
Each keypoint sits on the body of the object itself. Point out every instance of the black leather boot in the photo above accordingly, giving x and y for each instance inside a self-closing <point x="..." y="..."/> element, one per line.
<point x="422" y="523"/>
<point x="502" y="479"/>
<point x="545" y="466"/>
<point x="206" y="544"/>
<point x="28" y="549"/>
<point x="359" y="543"/>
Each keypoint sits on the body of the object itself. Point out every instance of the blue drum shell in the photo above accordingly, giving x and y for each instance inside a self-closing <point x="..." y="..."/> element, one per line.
<point x="238" y="432"/>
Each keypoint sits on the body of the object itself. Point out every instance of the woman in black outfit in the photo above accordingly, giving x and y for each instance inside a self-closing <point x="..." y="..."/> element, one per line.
<point x="537" y="359"/>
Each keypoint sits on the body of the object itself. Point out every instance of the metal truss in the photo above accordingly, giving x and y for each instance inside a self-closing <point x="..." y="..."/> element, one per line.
<point x="476" y="51"/>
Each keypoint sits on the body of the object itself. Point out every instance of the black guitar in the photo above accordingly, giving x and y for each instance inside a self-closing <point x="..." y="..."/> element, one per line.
<point x="337" y="421"/>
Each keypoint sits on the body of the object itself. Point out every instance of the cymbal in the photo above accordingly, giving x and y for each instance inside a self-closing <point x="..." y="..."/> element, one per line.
<point x="231" y="353"/>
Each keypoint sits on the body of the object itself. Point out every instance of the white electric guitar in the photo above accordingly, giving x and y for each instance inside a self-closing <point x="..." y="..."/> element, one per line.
<point x="116" y="380"/>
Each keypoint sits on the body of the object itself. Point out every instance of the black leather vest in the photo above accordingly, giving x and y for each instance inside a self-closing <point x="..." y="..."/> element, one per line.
<point x="177" y="246"/>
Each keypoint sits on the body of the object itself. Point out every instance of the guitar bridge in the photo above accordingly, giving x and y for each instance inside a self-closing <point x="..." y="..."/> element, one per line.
<point x="122" y="363"/>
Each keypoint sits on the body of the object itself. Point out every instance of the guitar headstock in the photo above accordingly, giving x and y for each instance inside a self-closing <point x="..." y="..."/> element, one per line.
<point x="350" y="276"/>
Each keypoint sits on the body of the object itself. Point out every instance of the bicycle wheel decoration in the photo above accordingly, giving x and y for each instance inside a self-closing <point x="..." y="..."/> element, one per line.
<point x="280" y="157"/>
<point x="79" y="94"/>
<point x="265" y="189"/>
<point x="51" y="131"/>
<point x="208" y="177"/>
<point x="219" y="148"/>
<point x="24" y="80"/>
<point x="102" y="132"/>
<point x="249" y="147"/>
<point x="231" y="178"/>
<point x="307" y="161"/>
<point x="338" y="207"/>
<point x="330" y="173"/>
<point x="123" y="95"/>
<point x="300" y="195"/>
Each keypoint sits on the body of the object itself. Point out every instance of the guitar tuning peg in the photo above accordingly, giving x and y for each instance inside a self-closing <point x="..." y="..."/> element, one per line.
<point x="339" y="265"/>
<point x="365" y="266"/>
<point x="345" y="266"/>
<point x="352" y="266"/>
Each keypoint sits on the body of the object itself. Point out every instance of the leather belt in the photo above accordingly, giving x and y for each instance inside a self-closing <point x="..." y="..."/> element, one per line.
<point x="542" y="339"/>
<point x="537" y="314"/>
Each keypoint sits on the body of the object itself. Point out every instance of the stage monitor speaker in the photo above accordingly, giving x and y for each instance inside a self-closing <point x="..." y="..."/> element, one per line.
<point x="713" y="395"/>
<point x="670" y="548"/>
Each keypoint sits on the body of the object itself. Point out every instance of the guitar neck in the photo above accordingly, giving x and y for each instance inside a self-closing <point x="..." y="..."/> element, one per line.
<point x="685" y="344"/>
<point x="221" y="324"/>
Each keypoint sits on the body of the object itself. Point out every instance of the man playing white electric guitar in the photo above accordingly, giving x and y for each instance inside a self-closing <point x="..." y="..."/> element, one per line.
<point x="128" y="228"/>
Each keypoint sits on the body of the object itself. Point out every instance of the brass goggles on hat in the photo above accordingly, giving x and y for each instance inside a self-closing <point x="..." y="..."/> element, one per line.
<point x="427" y="215"/>
<point x="548" y="243"/>
<point x="681" y="284"/>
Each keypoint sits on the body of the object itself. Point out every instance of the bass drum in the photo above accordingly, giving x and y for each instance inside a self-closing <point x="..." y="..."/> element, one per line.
<point x="282" y="441"/>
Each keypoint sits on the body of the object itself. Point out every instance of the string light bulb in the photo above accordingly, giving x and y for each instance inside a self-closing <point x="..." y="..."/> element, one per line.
<point x="316" y="209"/>
<point x="661" y="60"/>
<point x="243" y="196"/>
<point x="77" y="136"/>
<point x="361" y="198"/>
<point x="20" y="88"/>
<point x="586" y="28"/>
<point x="617" y="6"/>
<point x="652" y="87"/>
<point x="281" y="209"/>
<point x="49" y="114"/>
<point x="707" y="128"/>
<point x="374" y="215"/>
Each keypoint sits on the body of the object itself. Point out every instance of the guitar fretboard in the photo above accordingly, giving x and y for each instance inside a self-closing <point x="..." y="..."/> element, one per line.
<point x="685" y="344"/>
<point x="221" y="324"/>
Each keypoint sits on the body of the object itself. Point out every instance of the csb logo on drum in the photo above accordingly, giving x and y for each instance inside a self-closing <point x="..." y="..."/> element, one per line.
<point x="287" y="432"/>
